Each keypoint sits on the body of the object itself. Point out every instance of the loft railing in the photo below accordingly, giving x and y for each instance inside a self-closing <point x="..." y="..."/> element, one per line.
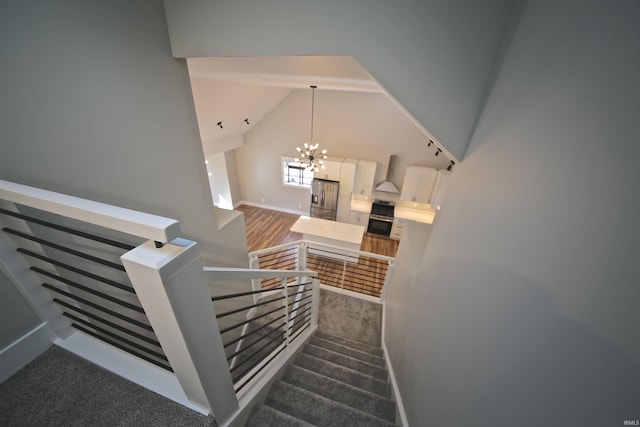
<point x="358" y="273"/>
<point x="268" y="322"/>
<point x="101" y="302"/>
<point x="127" y="279"/>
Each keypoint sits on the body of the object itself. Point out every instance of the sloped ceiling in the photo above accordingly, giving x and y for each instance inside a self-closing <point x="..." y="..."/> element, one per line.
<point x="238" y="92"/>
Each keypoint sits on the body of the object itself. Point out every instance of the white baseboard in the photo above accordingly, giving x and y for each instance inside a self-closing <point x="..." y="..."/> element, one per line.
<point x="392" y="375"/>
<point x="394" y="385"/>
<point x="22" y="351"/>
<point x="133" y="369"/>
<point x="273" y="208"/>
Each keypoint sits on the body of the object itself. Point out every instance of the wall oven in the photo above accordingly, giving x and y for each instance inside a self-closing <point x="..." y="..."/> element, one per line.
<point x="380" y="218"/>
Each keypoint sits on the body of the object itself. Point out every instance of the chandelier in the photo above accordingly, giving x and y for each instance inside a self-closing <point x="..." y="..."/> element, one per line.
<point x="308" y="157"/>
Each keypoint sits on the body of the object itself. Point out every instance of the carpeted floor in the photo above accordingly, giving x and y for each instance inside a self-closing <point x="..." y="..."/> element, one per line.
<point x="61" y="389"/>
<point x="350" y="317"/>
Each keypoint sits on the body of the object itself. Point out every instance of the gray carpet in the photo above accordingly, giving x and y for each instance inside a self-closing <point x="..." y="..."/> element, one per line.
<point x="339" y="378"/>
<point x="60" y="389"/>
<point x="334" y="382"/>
<point x="350" y="317"/>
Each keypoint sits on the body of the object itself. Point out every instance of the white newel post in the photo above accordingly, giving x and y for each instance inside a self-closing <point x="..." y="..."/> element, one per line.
<point x="171" y="285"/>
<point x="315" y="303"/>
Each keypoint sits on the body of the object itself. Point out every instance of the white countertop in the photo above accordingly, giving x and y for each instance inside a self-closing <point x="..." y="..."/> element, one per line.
<point x="333" y="230"/>
<point x="418" y="215"/>
<point x="361" y="205"/>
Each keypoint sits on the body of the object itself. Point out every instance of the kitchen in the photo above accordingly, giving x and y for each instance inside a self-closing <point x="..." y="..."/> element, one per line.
<point x="342" y="191"/>
<point x="362" y="129"/>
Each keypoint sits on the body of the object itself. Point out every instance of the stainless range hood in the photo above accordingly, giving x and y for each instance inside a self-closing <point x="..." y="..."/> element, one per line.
<point x="387" y="185"/>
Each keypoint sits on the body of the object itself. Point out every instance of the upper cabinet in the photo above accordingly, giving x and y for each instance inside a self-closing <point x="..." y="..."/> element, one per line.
<point x="419" y="184"/>
<point x="347" y="176"/>
<point x="365" y="176"/>
<point x="331" y="170"/>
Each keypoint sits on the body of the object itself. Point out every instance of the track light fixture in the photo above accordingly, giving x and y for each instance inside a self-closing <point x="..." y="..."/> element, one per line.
<point x="438" y="152"/>
<point x="429" y="144"/>
<point x="220" y="124"/>
<point x="246" y="121"/>
<point x="451" y="165"/>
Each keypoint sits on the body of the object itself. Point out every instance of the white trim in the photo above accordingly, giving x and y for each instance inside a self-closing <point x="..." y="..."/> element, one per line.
<point x="214" y="274"/>
<point x="128" y="221"/>
<point x="271" y="207"/>
<point x="131" y="368"/>
<point x="23" y="350"/>
<point x="392" y="377"/>
<point x="350" y="293"/>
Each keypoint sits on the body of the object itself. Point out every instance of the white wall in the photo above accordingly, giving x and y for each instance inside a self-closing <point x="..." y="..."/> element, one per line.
<point x="433" y="56"/>
<point x="357" y="125"/>
<point x="526" y="309"/>
<point x="94" y="105"/>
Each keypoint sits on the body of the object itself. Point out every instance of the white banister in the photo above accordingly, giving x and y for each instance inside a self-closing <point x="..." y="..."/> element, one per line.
<point x="171" y="285"/>
<point x="214" y="274"/>
<point x="128" y="221"/>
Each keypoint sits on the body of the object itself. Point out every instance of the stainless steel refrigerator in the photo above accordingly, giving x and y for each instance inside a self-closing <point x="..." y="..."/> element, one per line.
<point x="324" y="198"/>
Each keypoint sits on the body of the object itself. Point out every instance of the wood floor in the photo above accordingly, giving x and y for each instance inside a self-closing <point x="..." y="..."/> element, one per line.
<point x="267" y="228"/>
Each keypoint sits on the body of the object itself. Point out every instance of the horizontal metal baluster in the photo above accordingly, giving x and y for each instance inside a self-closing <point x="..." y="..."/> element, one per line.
<point x="76" y="270"/>
<point x="248" y="307"/>
<point x="89" y="290"/>
<point x="222" y="331"/>
<point x="64" y="249"/>
<point x="69" y="230"/>
<point x="122" y="347"/>
<point x="96" y="306"/>
<point x="116" y="336"/>
<point x="107" y="322"/>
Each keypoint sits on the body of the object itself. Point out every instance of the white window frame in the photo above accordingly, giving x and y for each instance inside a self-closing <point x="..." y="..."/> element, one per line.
<point x="287" y="164"/>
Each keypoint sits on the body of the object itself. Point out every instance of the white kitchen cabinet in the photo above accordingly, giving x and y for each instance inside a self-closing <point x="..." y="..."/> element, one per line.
<point x="359" y="218"/>
<point x="365" y="175"/>
<point x="439" y="189"/>
<point x="418" y="184"/>
<point x="331" y="170"/>
<point x="344" y="207"/>
<point x="347" y="176"/>
<point x="397" y="228"/>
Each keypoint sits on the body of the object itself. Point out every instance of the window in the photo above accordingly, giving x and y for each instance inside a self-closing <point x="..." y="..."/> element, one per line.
<point x="295" y="175"/>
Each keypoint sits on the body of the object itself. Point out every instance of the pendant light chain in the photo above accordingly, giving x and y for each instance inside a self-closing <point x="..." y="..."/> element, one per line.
<point x="308" y="154"/>
<point x="313" y="102"/>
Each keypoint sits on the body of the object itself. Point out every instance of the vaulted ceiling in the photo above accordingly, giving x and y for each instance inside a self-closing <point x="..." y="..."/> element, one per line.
<point x="238" y="92"/>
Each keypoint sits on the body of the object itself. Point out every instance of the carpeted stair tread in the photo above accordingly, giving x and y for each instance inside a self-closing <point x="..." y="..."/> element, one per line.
<point x="341" y="392"/>
<point x="350" y="343"/>
<point x="316" y="409"/>
<point x="343" y="374"/>
<point x="264" y="415"/>
<point x="349" y="351"/>
<point x="346" y="361"/>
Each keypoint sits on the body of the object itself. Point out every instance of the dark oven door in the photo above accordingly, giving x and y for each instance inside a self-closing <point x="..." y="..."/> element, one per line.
<point x="380" y="226"/>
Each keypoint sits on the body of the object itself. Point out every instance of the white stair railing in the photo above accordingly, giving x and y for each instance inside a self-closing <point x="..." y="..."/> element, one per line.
<point x="357" y="273"/>
<point x="166" y="278"/>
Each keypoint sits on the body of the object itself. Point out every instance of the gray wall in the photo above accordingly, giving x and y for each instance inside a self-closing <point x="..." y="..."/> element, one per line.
<point x="18" y="316"/>
<point x="95" y="106"/>
<point x="525" y="311"/>
<point x="433" y="56"/>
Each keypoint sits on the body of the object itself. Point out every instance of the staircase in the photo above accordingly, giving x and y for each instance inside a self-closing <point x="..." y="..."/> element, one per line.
<point x="334" y="381"/>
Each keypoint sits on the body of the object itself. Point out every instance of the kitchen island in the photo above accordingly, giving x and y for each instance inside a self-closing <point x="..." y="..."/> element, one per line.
<point x="333" y="233"/>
